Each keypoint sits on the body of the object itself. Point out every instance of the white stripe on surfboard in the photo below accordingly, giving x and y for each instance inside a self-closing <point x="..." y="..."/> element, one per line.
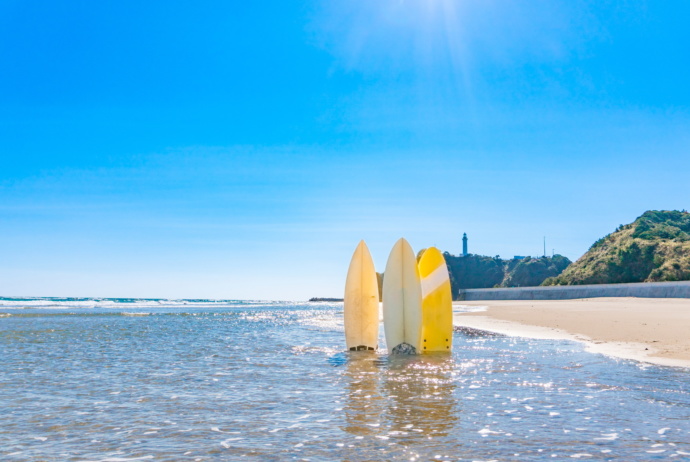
<point x="434" y="280"/>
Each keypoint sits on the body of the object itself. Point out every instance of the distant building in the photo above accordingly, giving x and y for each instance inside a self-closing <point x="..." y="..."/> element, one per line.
<point x="518" y="257"/>
<point x="464" y="244"/>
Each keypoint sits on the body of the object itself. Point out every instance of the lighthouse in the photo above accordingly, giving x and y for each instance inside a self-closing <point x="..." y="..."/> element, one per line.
<point x="464" y="244"/>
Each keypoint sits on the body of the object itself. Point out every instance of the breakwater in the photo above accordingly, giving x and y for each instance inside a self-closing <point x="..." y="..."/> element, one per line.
<point x="640" y="289"/>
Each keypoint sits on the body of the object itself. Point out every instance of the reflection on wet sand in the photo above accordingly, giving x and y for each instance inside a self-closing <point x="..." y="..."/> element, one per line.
<point x="420" y="394"/>
<point x="398" y="402"/>
<point x="364" y="402"/>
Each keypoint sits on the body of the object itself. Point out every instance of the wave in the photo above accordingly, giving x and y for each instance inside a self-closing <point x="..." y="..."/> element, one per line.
<point x="127" y="303"/>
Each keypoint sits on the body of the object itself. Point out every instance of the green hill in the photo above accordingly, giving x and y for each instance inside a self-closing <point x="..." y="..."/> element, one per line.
<point x="474" y="271"/>
<point x="529" y="272"/>
<point x="655" y="247"/>
<point x="479" y="271"/>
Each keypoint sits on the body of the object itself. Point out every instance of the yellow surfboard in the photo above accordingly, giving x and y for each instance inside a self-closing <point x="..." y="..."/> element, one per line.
<point x="361" y="311"/>
<point x="437" y="302"/>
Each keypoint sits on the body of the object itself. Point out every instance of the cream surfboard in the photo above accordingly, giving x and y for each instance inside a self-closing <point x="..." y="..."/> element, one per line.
<point x="402" y="298"/>
<point x="437" y="303"/>
<point x="361" y="302"/>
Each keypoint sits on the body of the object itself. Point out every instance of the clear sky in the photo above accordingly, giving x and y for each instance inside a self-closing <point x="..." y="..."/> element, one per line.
<point x="222" y="149"/>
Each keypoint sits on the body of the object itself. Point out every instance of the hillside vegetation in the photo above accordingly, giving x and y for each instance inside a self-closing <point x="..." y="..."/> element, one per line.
<point x="655" y="247"/>
<point x="479" y="271"/>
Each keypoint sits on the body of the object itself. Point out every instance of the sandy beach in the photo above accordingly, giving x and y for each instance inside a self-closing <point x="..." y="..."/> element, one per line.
<point x="645" y="329"/>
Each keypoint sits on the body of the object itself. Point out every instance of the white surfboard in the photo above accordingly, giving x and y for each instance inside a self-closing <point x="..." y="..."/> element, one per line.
<point x="361" y="310"/>
<point x="402" y="298"/>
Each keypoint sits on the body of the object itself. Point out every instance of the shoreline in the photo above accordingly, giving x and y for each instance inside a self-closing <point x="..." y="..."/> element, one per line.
<point x="642" y="329"/>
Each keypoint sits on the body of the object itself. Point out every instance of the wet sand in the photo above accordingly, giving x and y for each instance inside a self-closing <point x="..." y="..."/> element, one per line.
<point x="654" y="330"/>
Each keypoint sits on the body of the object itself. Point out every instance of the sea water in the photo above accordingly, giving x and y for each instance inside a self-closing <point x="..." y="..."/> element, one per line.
<point x="127" y="379"/>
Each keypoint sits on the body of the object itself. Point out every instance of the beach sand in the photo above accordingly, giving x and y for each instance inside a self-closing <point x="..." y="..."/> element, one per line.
<point x="651" y="330"/>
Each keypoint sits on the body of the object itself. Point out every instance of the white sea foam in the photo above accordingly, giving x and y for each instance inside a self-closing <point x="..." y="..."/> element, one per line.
<point x="468" y="308"/>
<point x="47" y="303"/>
<point x="607" y="437"/>
<point x="95" y="303"/>
<point x="226" y="443"/>
<point x="122" y="459"/>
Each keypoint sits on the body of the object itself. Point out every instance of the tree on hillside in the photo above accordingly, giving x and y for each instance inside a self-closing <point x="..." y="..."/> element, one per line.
<point x="530" y="272"/>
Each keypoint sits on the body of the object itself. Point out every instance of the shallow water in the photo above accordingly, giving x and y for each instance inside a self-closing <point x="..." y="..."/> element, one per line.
<point x="100" y="380"/>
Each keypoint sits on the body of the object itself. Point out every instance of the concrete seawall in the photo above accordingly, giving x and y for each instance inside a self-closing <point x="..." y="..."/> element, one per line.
<point x="640" y="289"/>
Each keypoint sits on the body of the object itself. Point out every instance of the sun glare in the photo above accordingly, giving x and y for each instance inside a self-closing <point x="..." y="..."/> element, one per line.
<point x="398" y="33"/>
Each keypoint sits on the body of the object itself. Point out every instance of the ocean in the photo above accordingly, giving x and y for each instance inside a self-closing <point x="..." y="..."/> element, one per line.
<point x="128" y="379"/>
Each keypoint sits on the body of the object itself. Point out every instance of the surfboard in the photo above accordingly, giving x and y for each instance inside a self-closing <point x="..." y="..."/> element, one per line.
<point x="437" y="302"/>
<point x="361" y="311"/>
<point x="402" y="298"/>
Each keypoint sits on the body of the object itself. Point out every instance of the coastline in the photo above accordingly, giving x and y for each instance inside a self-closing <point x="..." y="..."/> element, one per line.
<point x="642" y="329"/>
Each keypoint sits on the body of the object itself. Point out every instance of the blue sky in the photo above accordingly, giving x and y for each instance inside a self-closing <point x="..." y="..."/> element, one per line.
<point x="242" y="149"/>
